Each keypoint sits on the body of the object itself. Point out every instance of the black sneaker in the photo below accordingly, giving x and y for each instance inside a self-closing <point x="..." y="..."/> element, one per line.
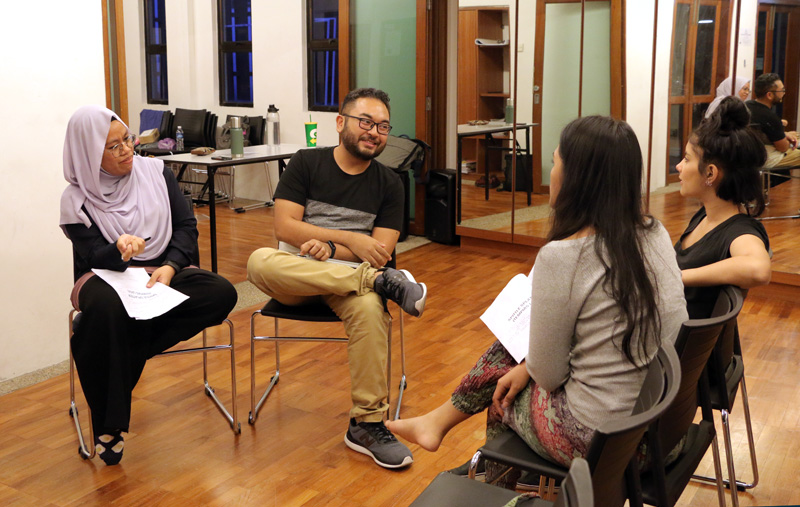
<point x="400" y="287"/>
<point x="375" y="440"/>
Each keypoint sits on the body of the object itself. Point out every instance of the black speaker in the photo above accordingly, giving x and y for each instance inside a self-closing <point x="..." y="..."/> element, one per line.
<point x="440" y="207"/>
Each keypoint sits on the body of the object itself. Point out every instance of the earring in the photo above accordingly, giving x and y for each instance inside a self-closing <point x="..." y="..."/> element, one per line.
<point x="708" y="183"/>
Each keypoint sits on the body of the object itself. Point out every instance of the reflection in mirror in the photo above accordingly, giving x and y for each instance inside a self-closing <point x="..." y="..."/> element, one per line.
<point x="484" y="89"/>
<point x="699" y="64"/>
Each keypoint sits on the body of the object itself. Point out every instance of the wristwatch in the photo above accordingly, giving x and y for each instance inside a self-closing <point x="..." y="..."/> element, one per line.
<point x="333" y="248"/>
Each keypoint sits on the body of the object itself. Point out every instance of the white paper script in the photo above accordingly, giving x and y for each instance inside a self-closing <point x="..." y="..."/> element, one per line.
<point x="509" y="316"/>
<point x="140" y="302"/>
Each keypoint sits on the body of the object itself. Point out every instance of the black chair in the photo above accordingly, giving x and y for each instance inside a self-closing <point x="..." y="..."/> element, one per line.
<point x="726" y="375"/>
<point x="449" y="490"/>
<point x="663" y="485"/>
<point x="88" y="452"/>
<point x="613" y="445"/>
<point x="314" y="313"/>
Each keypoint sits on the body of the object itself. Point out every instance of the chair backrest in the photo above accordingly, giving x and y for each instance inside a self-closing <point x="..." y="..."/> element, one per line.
<point x="727" y="346"/>
<point x="696" y="339"/>
<point x="193" y="123"/>
<point x="576" y="488"/>
<point x="402" y="154"/>
<point x="615" y="442"/>
<point x="211" y="131"/>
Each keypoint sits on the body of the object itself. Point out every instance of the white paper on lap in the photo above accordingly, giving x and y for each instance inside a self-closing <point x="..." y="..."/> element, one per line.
<point x="140" y="302"/>
<point x="509" y="316"/>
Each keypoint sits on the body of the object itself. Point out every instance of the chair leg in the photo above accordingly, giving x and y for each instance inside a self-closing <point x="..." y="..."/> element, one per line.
<point x="473" y="464"/>
<point x="718" y="472"/>
<point x="232" y="418"/>
<point x="726" y="435"/>
<point x="403" y="383"/>
<point x="389" y="369"/>
<point x="740" y="485"/>
<point x="256" y="407"/>
<point x="750" y="440"/>
<point x="86" y="452"/>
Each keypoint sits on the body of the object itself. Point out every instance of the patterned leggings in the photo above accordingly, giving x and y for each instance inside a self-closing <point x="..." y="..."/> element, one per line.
<point x="541" y="419"/>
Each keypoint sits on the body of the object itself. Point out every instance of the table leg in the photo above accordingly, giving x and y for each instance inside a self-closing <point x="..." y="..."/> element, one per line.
<point x="212" y="216"/>
<point x="486" y="165"/>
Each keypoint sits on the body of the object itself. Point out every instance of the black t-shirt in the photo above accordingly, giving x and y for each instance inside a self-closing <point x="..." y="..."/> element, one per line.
<point x="713" y="247"/>
<point x="765" y="123"/>
<point x="334" y="199"/>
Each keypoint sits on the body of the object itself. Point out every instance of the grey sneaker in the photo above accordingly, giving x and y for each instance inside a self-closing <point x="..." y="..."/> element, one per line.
<point x="400" y="287"/>
<point x="376" y="441"/>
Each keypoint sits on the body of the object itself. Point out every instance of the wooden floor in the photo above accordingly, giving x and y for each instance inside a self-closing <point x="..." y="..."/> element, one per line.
<point x="181" y="452"/>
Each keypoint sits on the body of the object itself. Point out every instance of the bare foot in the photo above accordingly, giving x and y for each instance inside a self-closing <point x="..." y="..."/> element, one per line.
<point x="418" y="430"/>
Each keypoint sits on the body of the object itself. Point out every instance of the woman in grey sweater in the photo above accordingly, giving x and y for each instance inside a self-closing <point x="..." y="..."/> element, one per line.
<point x="606" y="293"/>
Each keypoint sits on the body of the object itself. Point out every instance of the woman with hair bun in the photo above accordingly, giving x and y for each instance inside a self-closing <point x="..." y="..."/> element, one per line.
<point x="723" y="244"/>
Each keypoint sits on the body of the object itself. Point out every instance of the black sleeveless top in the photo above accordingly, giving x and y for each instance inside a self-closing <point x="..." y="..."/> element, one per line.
<point x="713" y="247"/>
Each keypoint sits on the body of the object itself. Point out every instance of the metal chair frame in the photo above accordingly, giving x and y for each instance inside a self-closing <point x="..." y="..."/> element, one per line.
<point x="321" y="317"/>
<point x="723" y="395"/>
<point x="231" y="417"/>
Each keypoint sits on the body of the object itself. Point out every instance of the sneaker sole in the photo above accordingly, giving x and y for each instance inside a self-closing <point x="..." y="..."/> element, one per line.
<point x="363" y="450"/>
<point x="420" y="304"/>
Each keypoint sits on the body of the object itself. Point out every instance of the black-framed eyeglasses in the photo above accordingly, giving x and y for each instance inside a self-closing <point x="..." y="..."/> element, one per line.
<point x="119" y="149"/>
<point x="367" y="124"/>
<point x="783" y="90"/>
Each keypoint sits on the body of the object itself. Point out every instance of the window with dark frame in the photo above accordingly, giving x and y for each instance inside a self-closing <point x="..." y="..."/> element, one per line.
<point x="235" y="30"/>
<point x="155" y="51"/>
<point x="323" y="54"/>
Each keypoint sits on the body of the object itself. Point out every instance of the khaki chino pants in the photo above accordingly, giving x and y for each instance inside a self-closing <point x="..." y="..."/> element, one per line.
<point x="294" y="280"/>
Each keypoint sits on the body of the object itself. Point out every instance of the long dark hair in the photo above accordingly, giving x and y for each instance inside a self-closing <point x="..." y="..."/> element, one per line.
<point x="725" y="140"/>
<point x="601" y="188"/>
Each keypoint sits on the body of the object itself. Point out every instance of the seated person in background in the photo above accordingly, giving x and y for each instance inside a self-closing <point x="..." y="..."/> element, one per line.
<point x="606" y="293"/>
<point x="723" y="244"/>
<point x="724" y="90"/>
<point x="340" y="203"/>
<point x="122" y="210"/>
<point x="781" y="146"/>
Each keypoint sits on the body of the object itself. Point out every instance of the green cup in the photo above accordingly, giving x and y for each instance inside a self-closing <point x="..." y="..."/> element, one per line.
<point x="311" y="134"/>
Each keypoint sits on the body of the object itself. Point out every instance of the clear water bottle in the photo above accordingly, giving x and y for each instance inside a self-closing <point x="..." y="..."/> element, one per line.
<point x="273" y="126"/>
<point x="179" y="139"/>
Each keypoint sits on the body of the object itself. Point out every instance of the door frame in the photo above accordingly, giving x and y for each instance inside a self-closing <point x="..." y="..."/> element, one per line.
<point x="116" y="74"/>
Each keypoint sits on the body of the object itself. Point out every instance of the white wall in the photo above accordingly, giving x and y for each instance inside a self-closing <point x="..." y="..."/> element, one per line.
<point x="43" y="83"/>
<point x="279" y="72"/>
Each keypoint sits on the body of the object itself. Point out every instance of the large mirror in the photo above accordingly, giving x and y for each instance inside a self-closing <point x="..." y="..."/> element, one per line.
<point x="542" y="72"/>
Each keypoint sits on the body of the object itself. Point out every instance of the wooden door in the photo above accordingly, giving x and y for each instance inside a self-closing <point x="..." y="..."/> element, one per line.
<point x="699" y="63"/>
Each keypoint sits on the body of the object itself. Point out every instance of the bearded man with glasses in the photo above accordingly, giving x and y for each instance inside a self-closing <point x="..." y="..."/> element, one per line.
<point x="341" y="204"/>
<point x="781" y="146"/>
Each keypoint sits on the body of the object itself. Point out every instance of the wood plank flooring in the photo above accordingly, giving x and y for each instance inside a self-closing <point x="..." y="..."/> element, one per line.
<point x="181" y="452"/>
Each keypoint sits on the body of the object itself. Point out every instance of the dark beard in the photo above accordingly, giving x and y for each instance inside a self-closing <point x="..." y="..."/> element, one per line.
<point x="350" y="143"/>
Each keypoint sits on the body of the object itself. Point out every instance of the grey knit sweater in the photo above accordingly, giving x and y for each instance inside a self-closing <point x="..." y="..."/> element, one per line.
<point x="575" y="341"/>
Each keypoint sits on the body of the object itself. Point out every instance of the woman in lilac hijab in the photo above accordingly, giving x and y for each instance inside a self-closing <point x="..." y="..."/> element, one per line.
<point x="123" y="210"/>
